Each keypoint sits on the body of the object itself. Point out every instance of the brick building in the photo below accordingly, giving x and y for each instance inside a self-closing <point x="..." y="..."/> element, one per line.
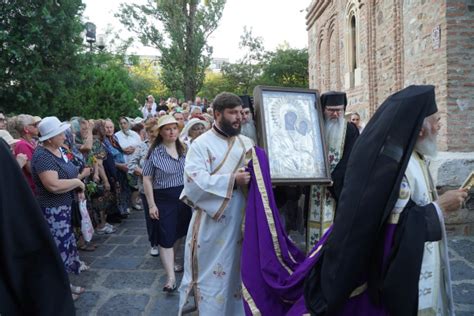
<point x="372" y="48"/>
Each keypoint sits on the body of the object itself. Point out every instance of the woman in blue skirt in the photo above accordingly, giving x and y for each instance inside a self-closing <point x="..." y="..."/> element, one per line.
<point x="56" y="179"/>
<point x="163" y="182"/>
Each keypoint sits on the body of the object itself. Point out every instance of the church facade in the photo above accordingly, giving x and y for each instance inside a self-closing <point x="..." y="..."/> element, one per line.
<point x="372" y="48"/>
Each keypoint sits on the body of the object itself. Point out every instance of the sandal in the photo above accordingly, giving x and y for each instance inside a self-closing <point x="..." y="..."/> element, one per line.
<point x="178" y="268"/>
<point x="77" y="289"/>
<point x="170" y="286"/>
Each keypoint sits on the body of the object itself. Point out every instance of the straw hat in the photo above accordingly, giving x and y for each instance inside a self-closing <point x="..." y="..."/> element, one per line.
<point x="36" y="119"/>
<point x="8" y="137"/>
<point x="165" y="120"/>
<point x="51" y="126"/>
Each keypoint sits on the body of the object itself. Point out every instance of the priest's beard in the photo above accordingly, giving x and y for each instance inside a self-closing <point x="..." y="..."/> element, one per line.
<point x="226" y="126"/>
<point x="427" y="146"/>
<point x="334" y="129"/>
<point x="248" y="129"/>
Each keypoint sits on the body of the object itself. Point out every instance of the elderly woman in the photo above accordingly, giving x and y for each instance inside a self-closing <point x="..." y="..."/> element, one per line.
<point x="127" y="138"/>
<point x="135" y="166"/>
<point x="193" y="129"/>
<point x="27" y="128"/>
<point x="163" y="175"/>
<point x="122" y="189"/>
<point x="56" y="180"/>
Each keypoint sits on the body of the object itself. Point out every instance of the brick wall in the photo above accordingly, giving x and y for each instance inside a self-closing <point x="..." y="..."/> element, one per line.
<point x="460" y="63"/>
<point x="397" y="47"/>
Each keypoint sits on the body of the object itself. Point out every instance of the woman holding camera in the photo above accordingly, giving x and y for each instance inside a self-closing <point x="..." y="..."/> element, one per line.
<point x="56" y="180"/>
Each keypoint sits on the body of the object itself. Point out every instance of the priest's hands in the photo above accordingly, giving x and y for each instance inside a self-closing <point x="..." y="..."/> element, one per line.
<point x="452" y="200"/>
<point x="242" y="177"/>
<point x="154" y="212"/>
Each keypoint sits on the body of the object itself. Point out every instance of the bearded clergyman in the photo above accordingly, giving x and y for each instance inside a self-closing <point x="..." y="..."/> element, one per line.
<point x="340" y="137"/>
<point x="386" y="253"/>
<point x="215" y="180"/>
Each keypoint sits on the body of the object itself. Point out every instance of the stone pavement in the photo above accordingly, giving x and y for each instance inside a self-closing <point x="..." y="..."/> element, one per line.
<point x="124" y="279"/>
<point x="461" y="255"/>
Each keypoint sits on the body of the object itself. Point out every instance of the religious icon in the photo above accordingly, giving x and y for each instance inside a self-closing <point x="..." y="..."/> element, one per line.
<point x="290" y="130"/>
<point x="469" y="182"/>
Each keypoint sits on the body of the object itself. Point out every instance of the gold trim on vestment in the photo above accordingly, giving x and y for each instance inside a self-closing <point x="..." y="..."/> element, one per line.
<point x="315" y="252"/>
<point x="268" y="212"/>
<point x="230" y="145"/>
<point x="194" y="259"/>
<point x="231" y="184"/>
<point x="248" y="298"/>
<point x="323" y="225"/>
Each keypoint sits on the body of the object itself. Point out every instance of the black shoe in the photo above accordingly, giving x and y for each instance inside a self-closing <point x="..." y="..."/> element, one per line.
<point x="114" y="219"/>
<point x="123" y="216"/>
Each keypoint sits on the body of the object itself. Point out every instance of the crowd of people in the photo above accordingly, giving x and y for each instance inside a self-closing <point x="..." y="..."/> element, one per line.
<point x="186" y="166"/>
<point x="137" y="167"/>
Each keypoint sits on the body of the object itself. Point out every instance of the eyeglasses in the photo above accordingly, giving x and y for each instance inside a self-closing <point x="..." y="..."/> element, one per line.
<point x="197" y="128"/>
<point x="334" y="110"/>
<point x="2" y="119"/>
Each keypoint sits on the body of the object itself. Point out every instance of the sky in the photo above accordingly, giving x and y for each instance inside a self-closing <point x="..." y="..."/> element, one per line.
<point x="276" y="21"/>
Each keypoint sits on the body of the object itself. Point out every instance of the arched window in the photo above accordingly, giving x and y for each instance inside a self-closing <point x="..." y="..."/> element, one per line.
<point x="353" y="71"/>
<point x="353" y="63"/>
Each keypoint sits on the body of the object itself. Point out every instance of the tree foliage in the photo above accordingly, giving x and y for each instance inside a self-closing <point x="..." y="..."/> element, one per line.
<point x="286" y="67"/>
<point x="243" y="75"/>
<point x="146" y="80"/>
<point x="179" y="29"/>
<point x="105" y="89"/>
<point x="39" y="41"/>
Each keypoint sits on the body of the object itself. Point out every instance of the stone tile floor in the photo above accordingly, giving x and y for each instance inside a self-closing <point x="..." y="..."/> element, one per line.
<point x="124" y="279"/>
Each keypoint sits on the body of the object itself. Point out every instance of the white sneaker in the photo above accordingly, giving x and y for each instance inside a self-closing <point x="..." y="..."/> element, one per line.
<point x="154" y="251"/>
<point x="106" y="230"/>
<point x="112" y="227"/>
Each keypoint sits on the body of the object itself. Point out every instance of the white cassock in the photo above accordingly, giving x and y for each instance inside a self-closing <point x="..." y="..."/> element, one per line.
<point x="214" y="239"/>
<point x="435" y="295"/>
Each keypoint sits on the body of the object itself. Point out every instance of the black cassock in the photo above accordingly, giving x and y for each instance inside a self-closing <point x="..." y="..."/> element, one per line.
<point x="372" y="180"/>
<point x="337" y="175"/>
<point x="33" y="280"/>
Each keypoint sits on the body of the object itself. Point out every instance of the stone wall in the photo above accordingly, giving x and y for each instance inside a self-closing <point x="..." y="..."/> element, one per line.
<point x="449" y="170"/>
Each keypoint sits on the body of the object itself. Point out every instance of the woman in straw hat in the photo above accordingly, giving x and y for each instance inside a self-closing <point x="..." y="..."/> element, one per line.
<point x="56" y="179"/>
<point x="163" y="182"/>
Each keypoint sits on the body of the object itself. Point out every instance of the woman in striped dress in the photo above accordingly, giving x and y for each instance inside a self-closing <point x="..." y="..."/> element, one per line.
<point x="163" y="182"/>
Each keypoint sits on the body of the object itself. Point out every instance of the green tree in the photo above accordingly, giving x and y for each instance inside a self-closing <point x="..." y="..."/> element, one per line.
<point x="146" y="80"/>
<point x="105" y="89"/>
<point x="215" y="83"/>
<point x="179" y="29"/>
<point x="244" y="74"/>
<point x="40" y="42"/>
<point x="287" y="67"/>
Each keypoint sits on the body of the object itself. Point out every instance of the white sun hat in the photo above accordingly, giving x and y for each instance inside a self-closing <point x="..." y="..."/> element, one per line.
<point x="8" y="137"/>
<point x="51" y="126"/>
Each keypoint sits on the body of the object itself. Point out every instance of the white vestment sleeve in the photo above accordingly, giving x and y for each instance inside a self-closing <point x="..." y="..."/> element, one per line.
<point x="202" y="189"/>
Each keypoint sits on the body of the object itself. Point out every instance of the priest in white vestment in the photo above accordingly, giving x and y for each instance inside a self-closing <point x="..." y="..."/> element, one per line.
<point x="214" y="182"/>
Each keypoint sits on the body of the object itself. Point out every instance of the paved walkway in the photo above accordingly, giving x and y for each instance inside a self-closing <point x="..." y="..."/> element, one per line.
<point x="125" y="280"/>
